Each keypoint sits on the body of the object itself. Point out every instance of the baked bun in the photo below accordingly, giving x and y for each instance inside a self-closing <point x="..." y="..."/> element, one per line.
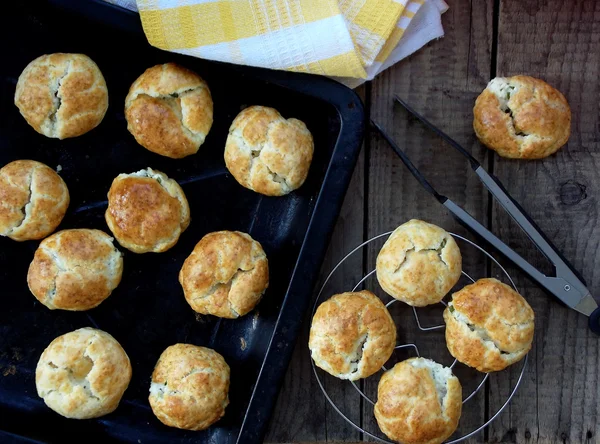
<point x="190" y="387"/>
<point x="34" y="200"/>
<point x="169" y="110"/>
<point x="226" y="274"/>
<point x="489" y="326"/>
<point x="83" y="374"/>
<point x="419" y="263"/>
<point x="62" y="95"/>
<point x="522" y="117"/>
<point x="267" y="153"/>
<point x="352" y="335"/>
<point x="419" y="402"/>
<point x="147" y="211"/>
<point x="75" y="269"/>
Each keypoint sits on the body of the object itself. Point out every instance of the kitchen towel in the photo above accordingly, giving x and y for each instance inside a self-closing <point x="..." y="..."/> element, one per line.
<point x="350" y="40"/>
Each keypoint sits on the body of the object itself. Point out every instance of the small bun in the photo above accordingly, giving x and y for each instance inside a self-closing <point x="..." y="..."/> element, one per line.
<point x="352" y="335"/>
<point x="147" y="211"/>
<point x="83" y="374"/>
<point x="522" y="117"/>
<point x="62" y="95"/>
<point x="226" y="274"/>
<point x="169" y="110"/>
<point x="34" y="200"/>
<point x="419" y="402"/>
<point x="267" y="153"/>
<point x="419" y="263"/>
<point x="75" y="269"/>
<point x="489" y="326"/>
<point x="190" y="387"/>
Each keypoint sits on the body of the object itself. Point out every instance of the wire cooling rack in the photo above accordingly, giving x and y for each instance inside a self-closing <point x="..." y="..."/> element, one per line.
<point x="476" y="380"/>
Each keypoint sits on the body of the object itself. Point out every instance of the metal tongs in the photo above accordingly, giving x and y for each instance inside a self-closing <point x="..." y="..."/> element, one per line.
<point x="567" y="285"/>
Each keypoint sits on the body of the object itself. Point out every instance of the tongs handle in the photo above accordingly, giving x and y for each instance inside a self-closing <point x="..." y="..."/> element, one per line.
<point x="566" y="285"/>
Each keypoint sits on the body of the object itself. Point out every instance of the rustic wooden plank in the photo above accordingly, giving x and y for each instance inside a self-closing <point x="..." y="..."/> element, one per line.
<point x="441" y="81"/>
<point x="558" y="400"/>
<point x="302" y="413"/>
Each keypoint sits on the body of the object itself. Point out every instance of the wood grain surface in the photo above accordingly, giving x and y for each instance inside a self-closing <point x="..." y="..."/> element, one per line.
<point x="559" y="41"/>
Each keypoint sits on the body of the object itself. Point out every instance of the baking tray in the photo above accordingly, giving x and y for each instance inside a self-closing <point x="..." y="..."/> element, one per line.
<point x="148" y="312"/>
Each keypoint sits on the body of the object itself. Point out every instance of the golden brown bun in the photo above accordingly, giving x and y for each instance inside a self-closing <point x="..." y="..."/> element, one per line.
<point x="75" y="269"/>
<point x="267" y="153"/>
<point x="352" y="335"/>
<point x="418" y="402"/>
<point x="62" y="95"/>
<point x="522" y="117"/>
<point x="226" y="274"/>
<point x="489" y="326"/>
<point x="83" y="374"/>
<point x="147" y="211"/>
<point x="33" y="200"/>
<point x="169" y="110"/>
<point x="190" y="387"/>
<point x="419" y="263"/>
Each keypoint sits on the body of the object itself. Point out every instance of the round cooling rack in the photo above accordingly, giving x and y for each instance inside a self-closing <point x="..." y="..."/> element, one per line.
<point x="471" y="380"/>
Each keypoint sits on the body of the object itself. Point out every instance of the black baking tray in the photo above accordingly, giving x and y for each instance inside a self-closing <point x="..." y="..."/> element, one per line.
<point x="148" y="312"/>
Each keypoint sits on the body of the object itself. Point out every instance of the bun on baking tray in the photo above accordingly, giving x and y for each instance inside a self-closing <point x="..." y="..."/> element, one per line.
<point x="34" y="200"/>
<point x="267" y="153"/>
<point x="226" y="274"/>
<point x="83" y="374"/>
<point x="62" y="95"/>
<point x="190" y="387"/>
<point x="419" y="263"/>
<point x="352" y="335"/>
<point x="75" y="269"/>
<point x="419" y="402"/>
<point x="147" y="211"/>
<point x="169" y="110"/>
<point x="522" y="117"/>
<point x="489" y="326"/>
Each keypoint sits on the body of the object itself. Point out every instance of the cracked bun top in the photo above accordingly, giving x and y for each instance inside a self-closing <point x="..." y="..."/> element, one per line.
<point x="522" y="117"/>
<point x="169" y="110"/>
<point x="147" y="211"/>
<point x="62" y="95"/>
<point x="419" y="263"/>
<point x="190" y="387"/>
<point x="33" y="200"/>
<point x="83" y="374"/>
<point x="75" y="269"/>
<point x="226" y="274"/>
<point x="419" y="402"/>
<point x="489" y="326"/>
<point x="267" y="153"/>
<point x="352" y="335"/>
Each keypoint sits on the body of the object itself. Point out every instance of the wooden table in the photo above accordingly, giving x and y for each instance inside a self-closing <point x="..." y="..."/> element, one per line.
<point x="556" y="40"/>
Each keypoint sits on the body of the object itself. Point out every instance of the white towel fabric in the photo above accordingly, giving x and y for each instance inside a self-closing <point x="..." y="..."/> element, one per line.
<point x="424" y="27"/>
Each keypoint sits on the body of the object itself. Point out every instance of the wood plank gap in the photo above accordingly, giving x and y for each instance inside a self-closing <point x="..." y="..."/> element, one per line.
<point x="490" y="199"/>
<point x="367" y="153"/>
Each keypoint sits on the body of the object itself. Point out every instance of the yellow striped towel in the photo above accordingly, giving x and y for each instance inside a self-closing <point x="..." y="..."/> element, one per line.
<point x="337" y="38"/>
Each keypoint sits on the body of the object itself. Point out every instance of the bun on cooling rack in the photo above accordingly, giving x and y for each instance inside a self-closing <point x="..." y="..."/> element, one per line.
<point x="62" y="95"/>
<point x="489" y="326"/>
<point x="190" y="387"/>
<point x="169" y="110"/>
<point x="83" y="374"/>
<point x="352" y="335"/>
<point x="226" y="274"/>
<point x="267" y="153"/>
<point x="419" y="263"/>
<point x="522" y="117"/>
<point x="147" y="211"/>
<point x="419" y="402"/>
